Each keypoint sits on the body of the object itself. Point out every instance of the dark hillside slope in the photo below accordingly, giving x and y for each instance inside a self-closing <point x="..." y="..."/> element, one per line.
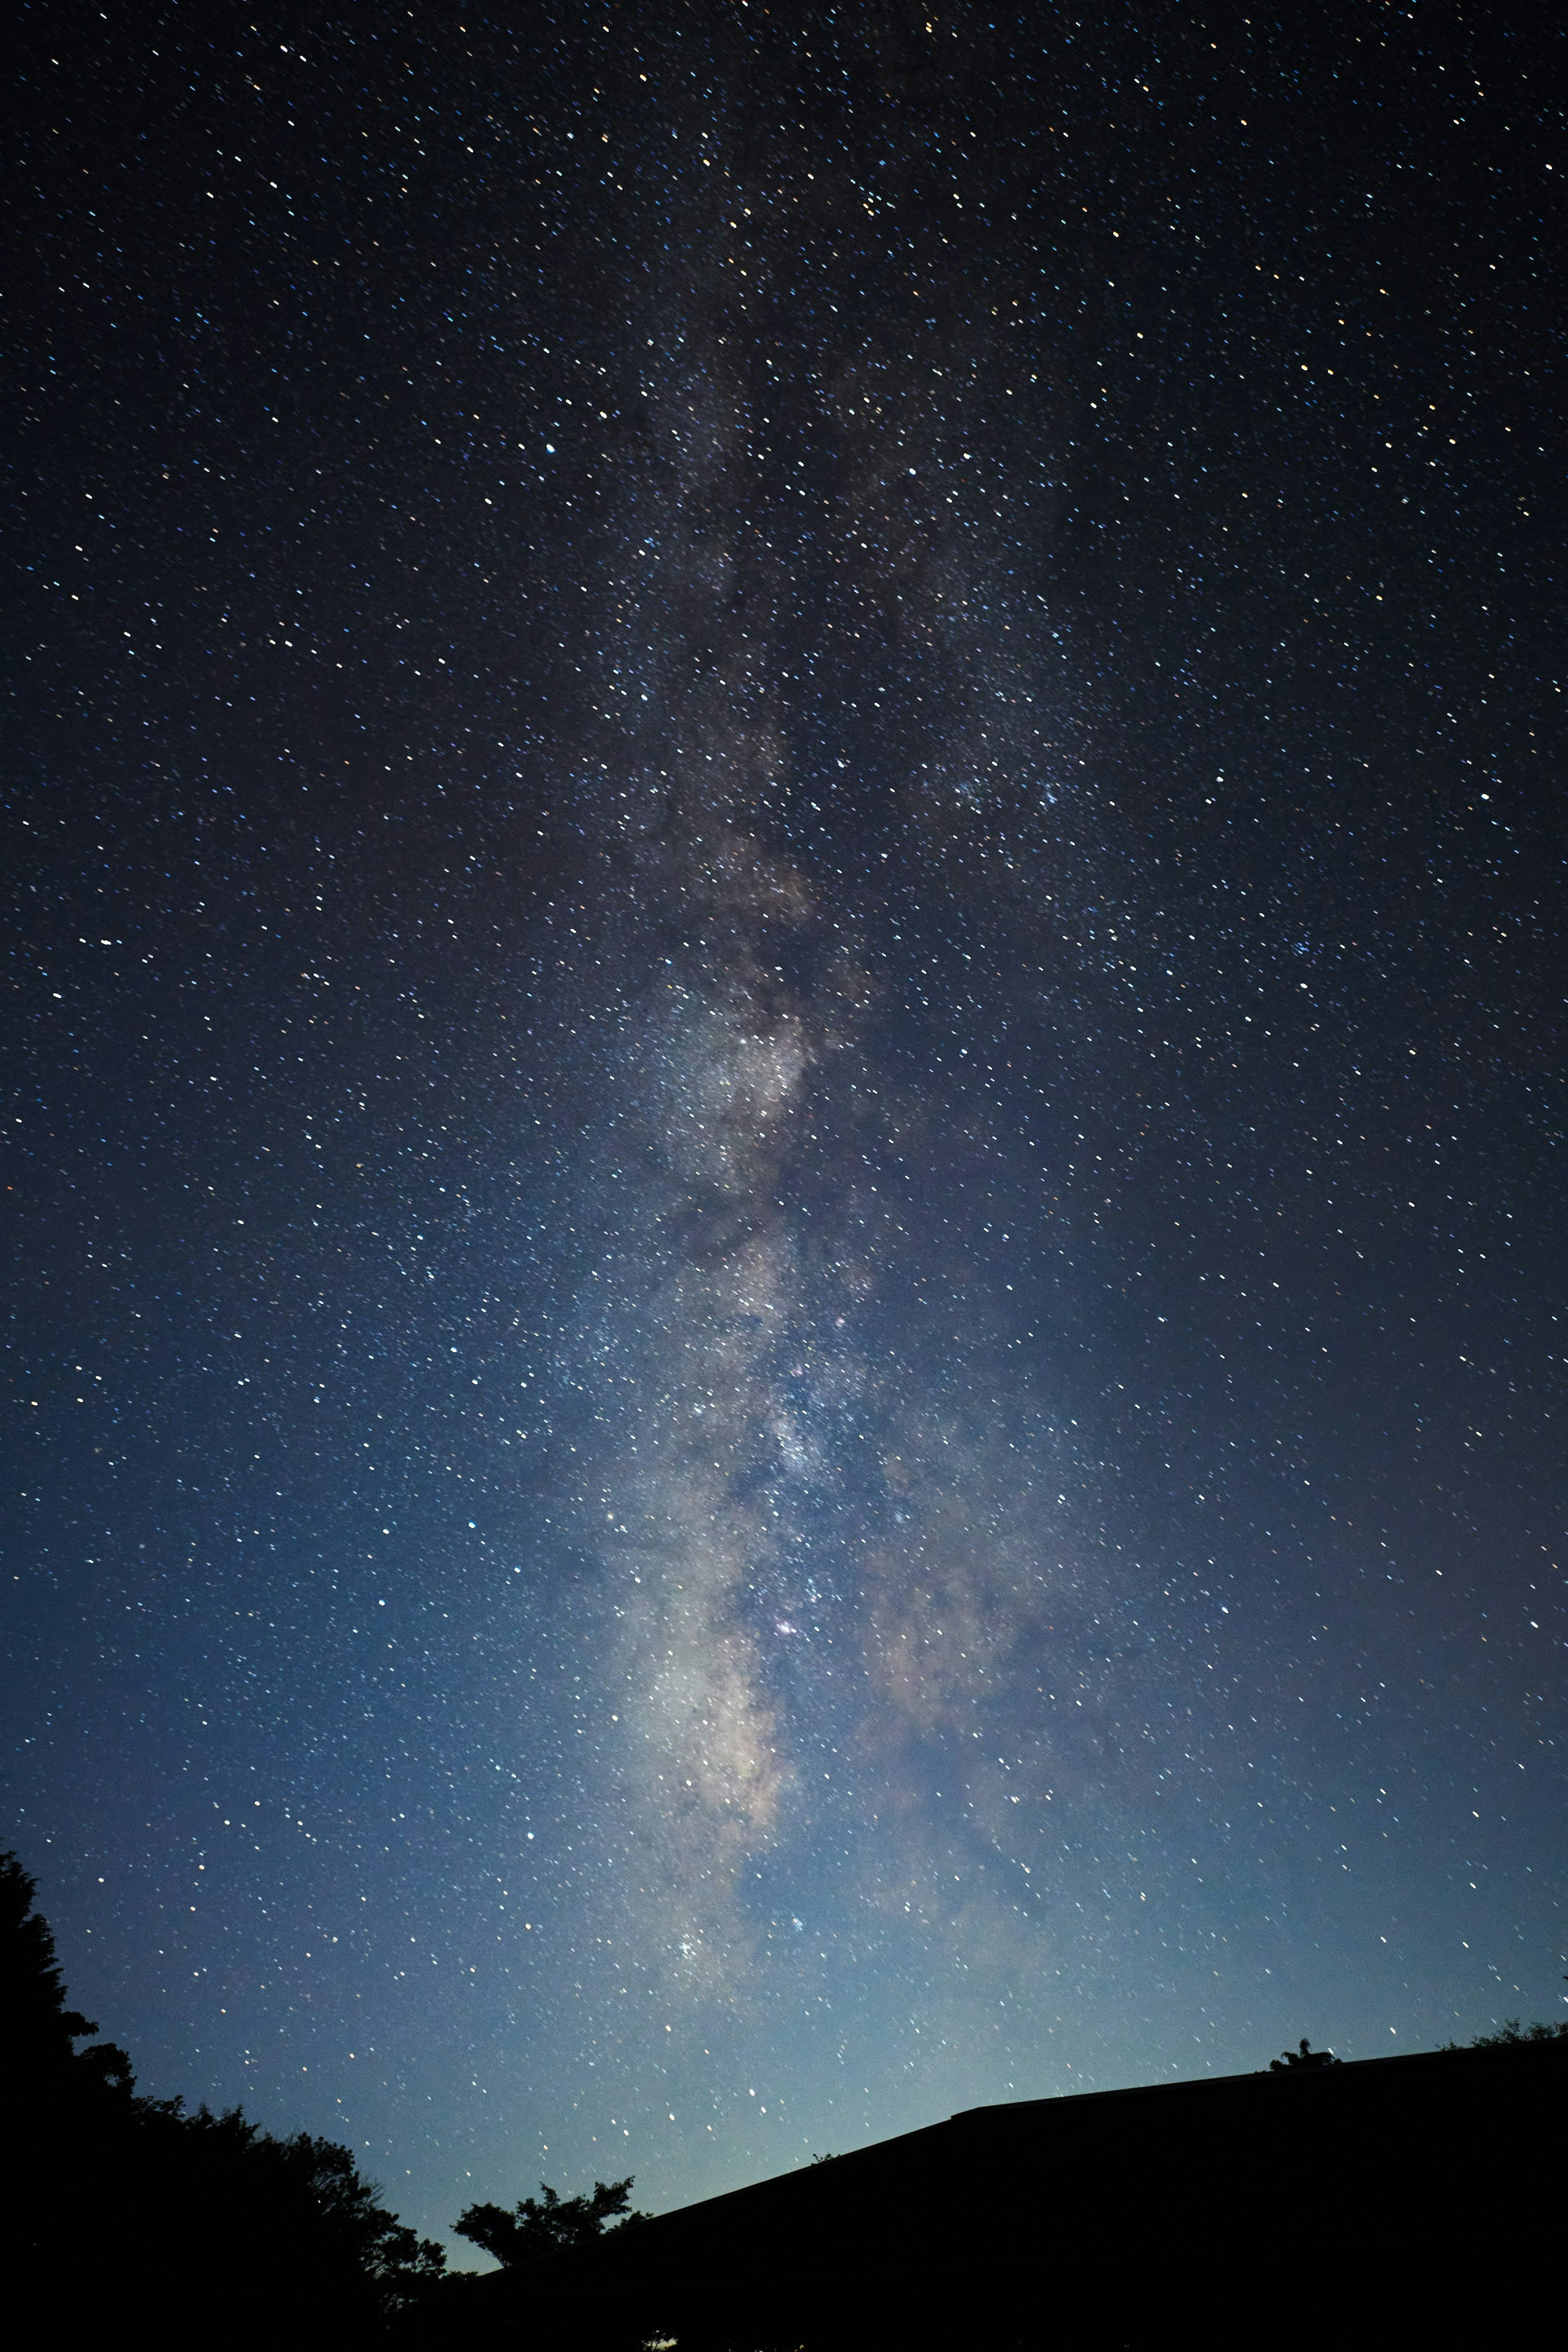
<point x="1395" y="2201"/>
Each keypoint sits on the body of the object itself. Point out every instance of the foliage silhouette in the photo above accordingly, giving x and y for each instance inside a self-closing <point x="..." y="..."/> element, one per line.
<point x="261" y="2234"/>
<point x="548" y="2224"/>
<point x="1302" y="2061"/>
<point x="40" y="2032"/>
<point x="206" y="2227"/>
<point x="1510" y="2032"/>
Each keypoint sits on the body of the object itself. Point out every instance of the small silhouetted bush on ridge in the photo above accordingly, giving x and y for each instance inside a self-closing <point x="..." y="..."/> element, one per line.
<point x="1304" y="2060"/>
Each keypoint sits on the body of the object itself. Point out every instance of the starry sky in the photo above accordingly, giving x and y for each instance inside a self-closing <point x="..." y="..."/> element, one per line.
<point x="786" y="1026"/>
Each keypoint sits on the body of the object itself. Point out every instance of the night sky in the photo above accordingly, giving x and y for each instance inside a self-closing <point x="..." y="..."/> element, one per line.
<point x="787" y="1052"/>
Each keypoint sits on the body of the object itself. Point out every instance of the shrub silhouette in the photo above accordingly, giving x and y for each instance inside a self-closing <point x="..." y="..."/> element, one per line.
<point x="1511" y="2033"/>
<point x="548" y="2224"/>
<point x="1304" y="2060"/>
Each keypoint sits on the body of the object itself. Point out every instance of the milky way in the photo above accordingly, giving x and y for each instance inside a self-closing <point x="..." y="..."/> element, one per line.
<point x="790" y="1047"/>
<point x="828" y="1556"/>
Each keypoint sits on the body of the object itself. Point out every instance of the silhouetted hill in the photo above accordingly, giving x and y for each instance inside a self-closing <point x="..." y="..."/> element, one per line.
<point x="1397" y="2201"/>
<point x="1401" y="2202"/>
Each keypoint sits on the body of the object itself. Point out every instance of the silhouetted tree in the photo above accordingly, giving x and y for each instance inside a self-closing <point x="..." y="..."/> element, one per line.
<point x="548" y="2224"/>
<point x="130" y="2207"/>
<point x="40" y="2032"/>
<point x="300" y="2203"/>
<point x="1304" y="2060"/>
<point x="1511" y="2033"/>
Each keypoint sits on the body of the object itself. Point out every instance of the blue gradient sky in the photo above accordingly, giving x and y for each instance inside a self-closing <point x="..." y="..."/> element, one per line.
<point x="787" y="1041"/>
